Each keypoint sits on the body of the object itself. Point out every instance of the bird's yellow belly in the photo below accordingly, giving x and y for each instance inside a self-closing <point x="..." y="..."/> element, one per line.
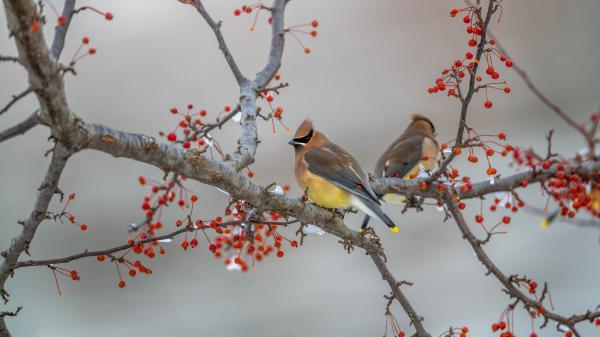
<point x="324" y="193"/>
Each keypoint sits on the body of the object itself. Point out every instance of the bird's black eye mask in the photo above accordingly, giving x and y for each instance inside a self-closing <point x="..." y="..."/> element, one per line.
<point x="305" y="139"/>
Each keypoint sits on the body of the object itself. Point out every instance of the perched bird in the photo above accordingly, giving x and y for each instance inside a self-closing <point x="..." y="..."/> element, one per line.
<point x="333" y="178"/>
<point x="414" y="150"/>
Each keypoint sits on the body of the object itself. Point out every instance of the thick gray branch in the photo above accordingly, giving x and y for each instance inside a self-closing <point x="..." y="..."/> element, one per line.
<point x="21" y="242"/>
<point x="43" y="71"/>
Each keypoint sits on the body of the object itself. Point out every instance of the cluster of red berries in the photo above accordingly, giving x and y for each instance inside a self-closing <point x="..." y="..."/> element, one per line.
<point x="72" y="274"/>
<point x="276" y="112"/>
<point x="571" y="191"/>
<point x="257" y="8"/>
<point x="68" y="216"/>
<point x="489" y="143"/>
<point x="61" y="20"/>
<point x="132" y="267"/>
<point x="452" y="77"/>
<point x="78" y="55"/>
<point x="194" y="131"/>
<point x="306" y="29"/>
<point x="162" y="195"/>
<point x="246" y="245"/>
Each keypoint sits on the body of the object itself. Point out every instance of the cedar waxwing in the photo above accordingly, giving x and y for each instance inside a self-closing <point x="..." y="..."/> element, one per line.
<point x="333" y="177"/>
<point x="416" y="148"/>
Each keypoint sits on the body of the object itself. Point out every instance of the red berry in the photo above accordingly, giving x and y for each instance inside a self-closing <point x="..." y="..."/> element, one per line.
<point x="237" y="12"/>
<point x="100" y="258"/>
<point x="61" y="20"/>
<point x="507" y="90"/>
<point x="469" y="55"/>
<point x="280" y="253"/>
<point x="472" y="42"/>
<point x="506" y="220"/>
<point x="502" y="136"/>
<point x="478" y="218"/>
<point x="487" y="104"/>
<point x="453" y="12"/>
<point x="171" y="137"/>
<point x="83" y="227"/>
<point x="509" y="63"/>
<point x="466" y="19"/>
<point x="132" y="273"/>
<point x="108" y="16"/>
<point x="122" y="284"/>
<point x="461" y="205"/>
<point x="314" y="23"/>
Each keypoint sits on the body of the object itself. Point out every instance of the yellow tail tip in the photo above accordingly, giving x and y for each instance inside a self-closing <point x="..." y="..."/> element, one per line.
<point x="545" y="223"/>
<point x="394" y="229"/>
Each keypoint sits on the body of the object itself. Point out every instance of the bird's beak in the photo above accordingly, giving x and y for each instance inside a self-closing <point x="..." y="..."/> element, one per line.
<point x="294" y="143"/>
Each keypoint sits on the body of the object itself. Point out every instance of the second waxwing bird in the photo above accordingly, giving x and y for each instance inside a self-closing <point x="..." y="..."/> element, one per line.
<point x="333" y="178"/>
<point x="414" y="150"/>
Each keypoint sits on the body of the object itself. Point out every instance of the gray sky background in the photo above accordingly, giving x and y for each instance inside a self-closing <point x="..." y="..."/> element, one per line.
<point x="368" y="72"/>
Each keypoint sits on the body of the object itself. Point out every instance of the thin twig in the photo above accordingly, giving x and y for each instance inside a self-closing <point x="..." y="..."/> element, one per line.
<point x="20" y="128"/>
<point x="15" y="99"/>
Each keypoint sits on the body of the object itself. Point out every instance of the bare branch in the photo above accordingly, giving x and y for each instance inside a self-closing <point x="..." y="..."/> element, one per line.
<point x="60" y="32"/>
<point x="9" y="59"/>
<point x="216" y="28"/>
<point x="20" y="128"/>
<point x="415" y="319"/>
<point x="471" y="91"/>
<point x="15" y="99"/>
<point x="506" y="281"/>
<point x="21" y="242"/>
<point x="43" y="71"/>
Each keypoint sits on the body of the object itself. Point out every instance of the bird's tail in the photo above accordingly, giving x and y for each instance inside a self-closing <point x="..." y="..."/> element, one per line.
<point x="371" y="208"/>
<point x="365" y="222"/>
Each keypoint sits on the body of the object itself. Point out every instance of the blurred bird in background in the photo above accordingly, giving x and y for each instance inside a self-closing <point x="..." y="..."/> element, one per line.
<point x="416" y="150"/>
<point x="332" y="177"/>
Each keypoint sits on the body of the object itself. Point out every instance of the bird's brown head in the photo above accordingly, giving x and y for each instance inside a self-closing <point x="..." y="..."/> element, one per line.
<point x="303" y="135"/>
<point x="422" y="124"/>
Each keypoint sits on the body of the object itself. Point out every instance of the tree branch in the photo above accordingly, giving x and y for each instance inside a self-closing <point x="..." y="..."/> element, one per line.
<point x="60" y="32"/>
<point x="471" y="91"/>
<point x="15" y="99"/>
<point x="9" y="59"/>
<point x="216" y="28"/>
<point x="19" y="129"/>
<point x="171" y="235"/>
<point x="20" y="243"/>
<point x="415" y="319"/>
<point x="506" y="281"/>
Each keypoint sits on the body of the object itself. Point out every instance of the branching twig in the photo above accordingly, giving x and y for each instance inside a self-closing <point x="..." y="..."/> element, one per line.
<point x="471" y="91"/>
<point x="216" y="28"/>
<point x="506" y="281"/>
<point x="109" y="251"/>
<point x="15" y="99"/>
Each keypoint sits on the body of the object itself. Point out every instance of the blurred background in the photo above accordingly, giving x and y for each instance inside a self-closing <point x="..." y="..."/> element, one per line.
<point x="368" y="72"/>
